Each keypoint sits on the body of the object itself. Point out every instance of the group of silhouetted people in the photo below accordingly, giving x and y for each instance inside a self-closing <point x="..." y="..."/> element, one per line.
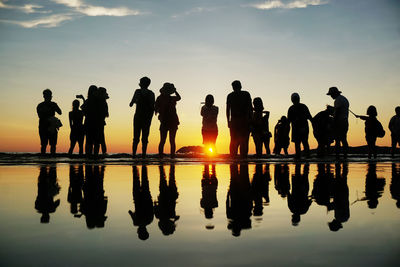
<point x="245" y="117"/>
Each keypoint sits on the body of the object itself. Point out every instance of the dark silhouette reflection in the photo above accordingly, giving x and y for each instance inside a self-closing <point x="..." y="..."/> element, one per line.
<point x="281" y="179"/>
<point x="260" y="188"/>
<point x="94" y="204"/>
<point x="322" y="187"/>
<point x="298" y="199"/>
<point x="340" y="203"/>
<point x="75" y="188"/>
<point x="239" y="201"/>
<point x="48" y="188"/>
<point x="164" y="207"/>
<point x="373" y="186"/>
<point x="209" y="185"/>
<point x="395" y="184"/>
<point x="143" y="214"/>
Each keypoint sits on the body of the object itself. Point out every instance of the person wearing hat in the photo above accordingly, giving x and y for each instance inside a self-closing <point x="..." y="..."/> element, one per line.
<point x="46" y="111"/>
<point x="165" y="106"/>
<point x="298" y="116"/>
<point x="340" y="120"/>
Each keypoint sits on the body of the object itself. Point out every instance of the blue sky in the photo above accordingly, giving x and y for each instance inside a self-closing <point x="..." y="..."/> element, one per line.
<point x="274" y="47"/>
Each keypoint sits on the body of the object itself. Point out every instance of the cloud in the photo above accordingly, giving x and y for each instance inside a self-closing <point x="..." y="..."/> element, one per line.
<point x="194" y="10"/>
<point x="272" y="4"/>
<point x="27" y="8"/>
<point x="45" y="22"/>
<point x="93" y="11"/>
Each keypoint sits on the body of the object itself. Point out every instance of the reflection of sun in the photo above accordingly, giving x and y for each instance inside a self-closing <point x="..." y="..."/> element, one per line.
<point x="210" y="151"/>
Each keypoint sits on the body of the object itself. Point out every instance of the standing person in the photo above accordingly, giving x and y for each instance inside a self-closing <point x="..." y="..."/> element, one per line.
<point x="165" y="106"/>
<point x="298" y="114"/>
<point x="89" y="110"/>
<point x="209" y="112"/>
<point x="77" y="130"/>
<point x="373" y="129"/>
<point x="103" y="114"/>
<point x="340" y="120"/>
<point x="394" y="127"/>
<point x="48" y="123"/>
<point x="260" y="127"/>
<point x="322" y="128"/>
<point x="281" y="136"/>
<point x="239" y="111"/>
<point x="144" y="100"/>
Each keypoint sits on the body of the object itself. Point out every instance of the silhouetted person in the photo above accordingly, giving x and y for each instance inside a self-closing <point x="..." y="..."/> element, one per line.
<point x="394" y="127"/>
<point x="77" y="130"/>
<point x="395" y="184"/>
<point x="164" y="207"/>
<point x="373" y="186"/>
<point x="340" y="202"/>
<point x="373" y="130"/>
<point x="260" y="127"/>
<point x="165" y="106"/>
<point x="281" y="135"/>
<point x="48" y="123"/>
<point x="323" y="130"/>
<point x="209" y="129"/>
<point x="144" y="100"/>
<point x="48" y="188"/>
<point x="281" y="179"/>
<point x="144" y="213"/>
<point x="239" y="201"/>
<point x="298" y="116"/>
<point x="75" y="188"/>
<point x="323" y="186"/>
<point x="103" y="114"/>
<point x="209" y="185"/>
<point x="239" y="112"/>
<point x="94" y="204"/>
<point x="260" y="188"/>
<point x="90" y="111"/>
<point x="340" y="120"/>
<point x="298" y="199"/>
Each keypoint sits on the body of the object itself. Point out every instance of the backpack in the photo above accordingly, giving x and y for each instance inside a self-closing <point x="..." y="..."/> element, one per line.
<point x="380" y="132"/>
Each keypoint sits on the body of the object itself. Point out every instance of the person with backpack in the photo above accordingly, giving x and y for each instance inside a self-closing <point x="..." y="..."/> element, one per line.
<point x="373" y="129"/>
<point x="394" y="127"/>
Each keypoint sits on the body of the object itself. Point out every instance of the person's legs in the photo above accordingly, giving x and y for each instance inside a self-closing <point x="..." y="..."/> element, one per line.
<point x="172" y="134"/>
<point x="44" y="139"/>
<point x="163" y="137"/>
<point x="258" y="144"/>
<point x="306" y="147"/>
<point x="233" y="146"/>
<point x="297" y="149"/>
<point x="72" y="145"/>
<point x="244" y="143"/>
<point x="53" y="142"/>
<point x="266" y="145"/>
<point x="137" y="128"/>
<point x="145" y="137"/>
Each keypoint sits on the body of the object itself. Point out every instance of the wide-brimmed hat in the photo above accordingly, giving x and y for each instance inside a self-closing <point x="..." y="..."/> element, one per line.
<point x="168" y="88"/>
<point x="333" y="91"/>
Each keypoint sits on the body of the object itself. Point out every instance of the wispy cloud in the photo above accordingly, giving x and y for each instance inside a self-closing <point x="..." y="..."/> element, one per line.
<point x="27" y="8"/>
<point x="44" y="22"/>
<point x="193" y="11"/>
<point x="91" y="10"/>
<point x="271" y="4"/>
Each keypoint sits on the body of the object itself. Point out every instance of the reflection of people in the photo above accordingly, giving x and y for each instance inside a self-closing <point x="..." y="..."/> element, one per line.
<point x="209" y="185"/>
<point x="340" y="120"/>
<point x="260" y="127"/>
<point x="373" y="186"/>
<point x="48" y="188"/>
<point x="281" y="179"/>
<point x="298" y="200"/>
<point x="144" y="213"/>
<point x="48" y="124"/>
<point x="322" y="186"/>
<point x="260" y="188"/>
<point x="281" y="135"/>
<point x="298" y="116"/>
<point x="239" y="202"/>
<point x="94" y="204"/>
<point x="144" y="100"/>
<point x="340" y="203"/>
<point x="394" y="127"/>
<point x="165" y="106"/>
<point x="164" y="207"/>
<point x="209" y="130"/>
<point x="75" y="188"/>
<point x="395" y="184"/>
<point x="238" y="113"/>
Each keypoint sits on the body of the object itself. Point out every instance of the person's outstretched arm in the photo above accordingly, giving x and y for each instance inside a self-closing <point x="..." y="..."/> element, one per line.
<point x="362" y="117"/>
<point x="58" y="110"/>
<point x="134" y="99"/>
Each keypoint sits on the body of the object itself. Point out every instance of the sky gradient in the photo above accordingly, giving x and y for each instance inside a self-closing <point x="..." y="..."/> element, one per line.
<point x="274" y="47"/>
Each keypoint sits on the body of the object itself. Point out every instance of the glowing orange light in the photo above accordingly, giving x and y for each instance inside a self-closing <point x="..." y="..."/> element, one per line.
<point x="210" y="150"/>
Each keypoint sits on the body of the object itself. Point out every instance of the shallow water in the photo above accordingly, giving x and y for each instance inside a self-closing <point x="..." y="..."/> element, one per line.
<point x="193" y="214"/>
